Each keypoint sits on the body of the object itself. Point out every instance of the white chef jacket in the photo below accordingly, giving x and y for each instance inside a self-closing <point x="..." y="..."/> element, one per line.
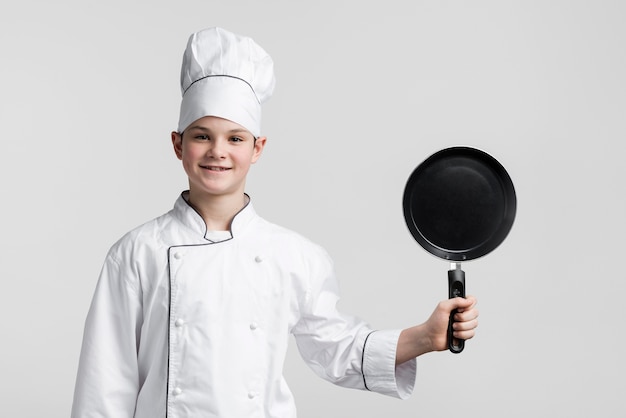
<point x="183" y="326"/>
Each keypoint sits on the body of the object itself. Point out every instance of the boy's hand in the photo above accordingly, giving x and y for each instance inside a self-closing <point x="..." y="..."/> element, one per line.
<point x="464" y="326"/>
<point x="432" y="335"/>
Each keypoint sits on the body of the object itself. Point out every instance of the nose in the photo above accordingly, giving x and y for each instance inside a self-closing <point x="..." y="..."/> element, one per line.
<point x="217" y="149"/>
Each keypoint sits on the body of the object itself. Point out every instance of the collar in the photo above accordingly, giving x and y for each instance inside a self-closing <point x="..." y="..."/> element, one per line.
<point x="189" y="217"/>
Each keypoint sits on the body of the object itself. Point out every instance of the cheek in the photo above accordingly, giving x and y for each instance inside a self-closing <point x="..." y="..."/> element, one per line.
<point x="246" y="159"/>
<point x="190" y="156"/>
<point x="191" y="153"/>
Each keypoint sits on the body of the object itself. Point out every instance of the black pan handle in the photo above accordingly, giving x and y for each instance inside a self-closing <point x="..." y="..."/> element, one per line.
<point x="456" y="288"/>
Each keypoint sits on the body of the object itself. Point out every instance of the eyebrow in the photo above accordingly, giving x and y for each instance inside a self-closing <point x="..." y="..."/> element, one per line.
<point x="232" y="131"/>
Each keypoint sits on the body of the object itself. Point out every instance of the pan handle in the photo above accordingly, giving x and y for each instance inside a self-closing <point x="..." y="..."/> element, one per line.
<point x="456" y="288"/>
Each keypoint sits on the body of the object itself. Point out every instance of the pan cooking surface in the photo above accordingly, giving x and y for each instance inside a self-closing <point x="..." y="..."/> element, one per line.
<point x="459" y="204"/>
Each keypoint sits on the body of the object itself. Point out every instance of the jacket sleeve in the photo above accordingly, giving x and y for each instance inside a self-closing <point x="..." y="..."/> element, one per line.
<point x="343" y="349"/>
<point x="107" y="380"/>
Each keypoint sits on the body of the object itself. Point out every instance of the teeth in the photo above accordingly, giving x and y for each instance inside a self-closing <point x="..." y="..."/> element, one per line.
<point x="216" y="168"/>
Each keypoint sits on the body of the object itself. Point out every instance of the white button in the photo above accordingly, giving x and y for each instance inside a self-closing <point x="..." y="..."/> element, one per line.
<point x="254" y="326"/>
<point x="252" y="395"/>
<point x="178" y="255"/>
<point x="178" y="391"/>
<point x="179" y="322"/>
<point x="258" y="258"/>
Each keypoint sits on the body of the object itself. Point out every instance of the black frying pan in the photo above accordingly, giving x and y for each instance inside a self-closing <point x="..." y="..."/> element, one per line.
<point x="459" y="204"/>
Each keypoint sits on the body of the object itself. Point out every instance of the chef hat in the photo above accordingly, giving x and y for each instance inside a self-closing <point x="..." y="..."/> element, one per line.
<point x="225" y="75"/>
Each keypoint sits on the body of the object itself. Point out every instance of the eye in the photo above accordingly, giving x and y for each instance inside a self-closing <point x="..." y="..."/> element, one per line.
<point x="201" y="137"/>
<point x="236" y="139"/>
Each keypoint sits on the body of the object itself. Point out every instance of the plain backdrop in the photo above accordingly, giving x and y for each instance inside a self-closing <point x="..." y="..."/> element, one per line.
<point x="365" y="91"/>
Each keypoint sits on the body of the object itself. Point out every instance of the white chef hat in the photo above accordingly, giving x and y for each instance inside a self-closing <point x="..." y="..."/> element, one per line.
<point x="225" y="75"/>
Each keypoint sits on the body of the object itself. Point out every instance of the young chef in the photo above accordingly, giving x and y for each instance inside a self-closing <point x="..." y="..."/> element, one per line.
<point x="193" y="310"/>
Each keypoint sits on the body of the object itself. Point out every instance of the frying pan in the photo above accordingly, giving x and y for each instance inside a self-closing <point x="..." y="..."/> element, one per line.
<point x="459" y="204"/>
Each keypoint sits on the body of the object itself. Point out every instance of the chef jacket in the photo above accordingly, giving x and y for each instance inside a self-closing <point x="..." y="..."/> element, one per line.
<point x="184" y="323"/>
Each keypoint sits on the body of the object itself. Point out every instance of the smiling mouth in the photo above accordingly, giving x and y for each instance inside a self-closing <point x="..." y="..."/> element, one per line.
<point x="214" y="168"/>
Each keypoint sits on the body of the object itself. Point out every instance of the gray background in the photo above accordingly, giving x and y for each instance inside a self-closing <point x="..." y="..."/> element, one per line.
<point x="366" y="91"/>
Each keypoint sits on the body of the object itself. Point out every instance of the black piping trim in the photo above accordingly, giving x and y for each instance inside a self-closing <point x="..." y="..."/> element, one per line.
<point x="363" y="359"/>
<point x="169" y="321"/>
<point x="223" y="75"/>
<point x="206" y="228"/>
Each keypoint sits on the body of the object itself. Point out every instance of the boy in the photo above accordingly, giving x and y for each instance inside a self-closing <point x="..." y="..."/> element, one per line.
<point x="193" y="310"/>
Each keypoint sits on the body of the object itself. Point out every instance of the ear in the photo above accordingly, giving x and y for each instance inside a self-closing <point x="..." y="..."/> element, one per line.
<point x="177" y="142"/>
<point x="259" y="145"/>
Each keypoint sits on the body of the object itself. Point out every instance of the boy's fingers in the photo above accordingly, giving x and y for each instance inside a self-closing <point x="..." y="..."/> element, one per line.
<point x="463" y="304"/>
<point x="460" y="325"/>
<point x="465" y="335"/>
<point x="466" y="310"/>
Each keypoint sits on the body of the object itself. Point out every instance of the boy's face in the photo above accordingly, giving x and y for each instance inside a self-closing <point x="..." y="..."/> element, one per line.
<point x="216" y="155"/>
